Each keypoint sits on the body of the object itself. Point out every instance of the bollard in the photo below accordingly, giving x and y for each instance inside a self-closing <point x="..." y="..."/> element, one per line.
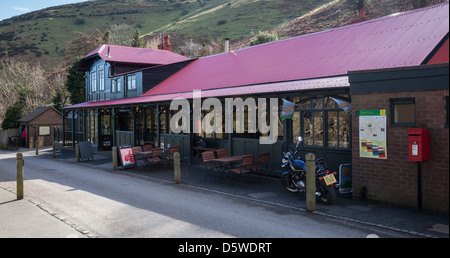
<point x="114" y="157"/>
<point x="19" y="165"/>
<point x="177" y="167"/>
<point x="36" y="145"/>
<point x="54" y="150"/>
<point x="77" y="152"/>
<point x="310" y="182"/>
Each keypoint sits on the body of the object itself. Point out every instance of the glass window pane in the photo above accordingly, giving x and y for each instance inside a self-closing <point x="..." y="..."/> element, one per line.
<point x="318" y="128"/>
<point x="308" y="127"/>
<point x="332" y="129"/>
<point x="295" y="126"/>
<point x="317" y="103"/>
<point x="113" y="85"/>
<point x="295" y="100"/>
<point x="330" y="103"/>
<point x="344" y="130"/>
<point x="163" y="120"/>
<point x="305" y="104"/>
<point x="280" y="128"/>
<point x="102" y="80"/>
<point x="404" y="113"/>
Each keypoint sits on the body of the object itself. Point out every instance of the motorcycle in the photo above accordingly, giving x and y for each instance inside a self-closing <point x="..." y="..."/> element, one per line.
<point x="294" y="179"/>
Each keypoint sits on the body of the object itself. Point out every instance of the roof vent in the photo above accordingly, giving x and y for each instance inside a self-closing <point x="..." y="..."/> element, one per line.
<point x="109" y="51"/>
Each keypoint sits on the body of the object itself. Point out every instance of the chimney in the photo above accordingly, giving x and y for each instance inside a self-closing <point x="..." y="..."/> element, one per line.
<point x="227" y="45"/>
<point x="165" y="45"/>
<point x="167" y="39"/>
<point x="362" y="14"/>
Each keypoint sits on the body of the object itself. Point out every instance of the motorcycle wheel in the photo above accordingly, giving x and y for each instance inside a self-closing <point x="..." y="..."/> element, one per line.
<point x="327" y="194"/>
<point x="288" y="184"/>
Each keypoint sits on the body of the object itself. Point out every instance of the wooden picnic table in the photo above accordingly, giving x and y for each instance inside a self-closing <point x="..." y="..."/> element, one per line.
<point x="227" y="163"/>
<point x="229" y="159"/>
<point x="148" y="152"/>
<point x="144" y="153"/>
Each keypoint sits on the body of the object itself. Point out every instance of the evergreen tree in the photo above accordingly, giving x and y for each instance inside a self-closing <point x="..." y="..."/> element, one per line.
<point x="137" y="41"/>
<point x="12" y="116"/>
<point x="75" y="84"/>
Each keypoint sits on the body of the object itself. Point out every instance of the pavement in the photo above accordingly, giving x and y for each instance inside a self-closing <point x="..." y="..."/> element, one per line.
<point x="28" y="219"/>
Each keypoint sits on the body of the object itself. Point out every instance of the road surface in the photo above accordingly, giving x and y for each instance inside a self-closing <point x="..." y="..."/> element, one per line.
<point x="112" y="204"/>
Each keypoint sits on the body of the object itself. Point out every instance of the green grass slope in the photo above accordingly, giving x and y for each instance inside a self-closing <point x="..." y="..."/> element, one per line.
<point x="43" y="35"/>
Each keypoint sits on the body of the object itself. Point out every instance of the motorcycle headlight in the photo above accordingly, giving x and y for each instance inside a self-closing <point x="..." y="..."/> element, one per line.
<point x="284" y="161"/>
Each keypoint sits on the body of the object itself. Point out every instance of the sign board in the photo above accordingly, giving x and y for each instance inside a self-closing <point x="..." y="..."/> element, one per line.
<point x="372" y="134"/>
<point x="345" y="178"/>
<point x="86" y="150"/>
<point x="44" y="130"/>
<point x="126" y="156"/>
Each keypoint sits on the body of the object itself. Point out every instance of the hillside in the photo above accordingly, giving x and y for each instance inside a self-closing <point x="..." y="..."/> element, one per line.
<point x="335" y="14"/>
<point x="43" y="35"/>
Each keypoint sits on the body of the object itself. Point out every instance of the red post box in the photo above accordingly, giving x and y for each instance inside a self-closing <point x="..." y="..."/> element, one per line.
<point x="418" y="144"/>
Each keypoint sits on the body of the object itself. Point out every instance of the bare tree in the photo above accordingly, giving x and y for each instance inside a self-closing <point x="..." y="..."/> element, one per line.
<point x="152" y="43"/>
<point x="25" y="83"/>
<point x="190" y="48"/>
<point x="121" y="34"/>
<point x="85" y="43"/>
<point x="212" y="48"/>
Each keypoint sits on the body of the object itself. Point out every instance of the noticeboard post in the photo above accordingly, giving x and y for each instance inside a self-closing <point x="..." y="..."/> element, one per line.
<point x="126" y="156"/>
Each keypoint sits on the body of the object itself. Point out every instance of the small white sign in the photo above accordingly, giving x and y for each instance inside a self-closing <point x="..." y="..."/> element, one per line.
<point x="415" y="150"/>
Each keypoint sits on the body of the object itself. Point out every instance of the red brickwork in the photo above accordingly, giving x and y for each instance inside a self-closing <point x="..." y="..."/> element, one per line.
<point x="395" y="180"/>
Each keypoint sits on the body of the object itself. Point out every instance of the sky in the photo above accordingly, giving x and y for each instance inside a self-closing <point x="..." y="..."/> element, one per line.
<point x="10" y="8"/>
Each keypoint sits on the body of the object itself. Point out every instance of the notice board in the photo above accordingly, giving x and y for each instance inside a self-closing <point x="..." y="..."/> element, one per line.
<point x="86" y="152"/>
<point x="126" y="156"/>
<point x="372" y="134"/>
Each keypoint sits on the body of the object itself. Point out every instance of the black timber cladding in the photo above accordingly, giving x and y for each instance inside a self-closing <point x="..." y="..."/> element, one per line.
<point x="155" y="75"/>
<point x="415" y="78"/>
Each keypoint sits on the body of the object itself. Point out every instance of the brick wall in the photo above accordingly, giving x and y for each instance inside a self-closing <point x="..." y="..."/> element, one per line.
<point x="394" y="180"/>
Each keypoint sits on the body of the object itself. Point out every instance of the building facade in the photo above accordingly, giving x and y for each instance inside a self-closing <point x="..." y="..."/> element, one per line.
<point x="40" y="126"/>
<point x="413" y="97"/>
<point x="311" y="71"/>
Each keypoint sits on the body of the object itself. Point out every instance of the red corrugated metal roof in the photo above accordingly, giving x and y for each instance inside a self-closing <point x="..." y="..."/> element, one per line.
<point x="401" y="40"/>
<point x="134" y="55"/>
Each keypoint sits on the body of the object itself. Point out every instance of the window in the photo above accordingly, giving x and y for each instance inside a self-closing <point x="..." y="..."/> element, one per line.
<point x="321" y="122"/>
<point x="92" y="126"/>
<point x="94" y="81"/>
<point x="131" y="83"/>
<point x="101" y="74"/>
<point x="115" y="85"/>
<point x="403" y="112"/>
